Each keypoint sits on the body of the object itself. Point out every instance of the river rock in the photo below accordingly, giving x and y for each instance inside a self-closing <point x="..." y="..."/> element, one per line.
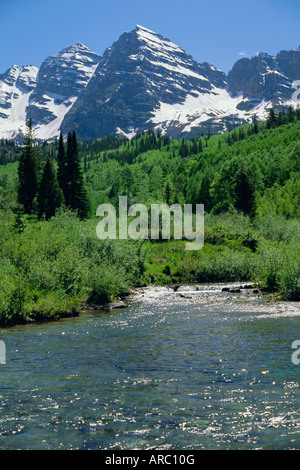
<point x="176" y="287"/>
<point x="113" y="305"/>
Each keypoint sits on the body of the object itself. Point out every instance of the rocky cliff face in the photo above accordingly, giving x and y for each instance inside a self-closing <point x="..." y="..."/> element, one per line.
<point x="289" y="62"/>
<point x="265" y="78"/>
<point x="143" y="80"/>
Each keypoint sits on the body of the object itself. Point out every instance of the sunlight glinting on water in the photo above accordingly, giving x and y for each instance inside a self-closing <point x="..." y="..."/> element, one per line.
<point x="197" y="369"/>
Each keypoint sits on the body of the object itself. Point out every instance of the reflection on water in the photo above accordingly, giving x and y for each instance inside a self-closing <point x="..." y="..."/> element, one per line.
<point x="206" y="370"/>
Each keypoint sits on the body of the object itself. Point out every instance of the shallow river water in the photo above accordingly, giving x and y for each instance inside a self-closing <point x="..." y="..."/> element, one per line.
<point x="195" y="369"/>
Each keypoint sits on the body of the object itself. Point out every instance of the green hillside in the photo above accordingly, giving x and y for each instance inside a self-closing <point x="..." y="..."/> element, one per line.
<point x="265" y="163"/>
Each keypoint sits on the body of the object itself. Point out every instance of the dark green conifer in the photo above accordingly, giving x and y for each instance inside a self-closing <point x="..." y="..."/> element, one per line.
<point x="291" y="114"/>
<point x="255" y="127"/>
<point x="76" y="196"/>
<point x="27" y="172"/>
<point x="194" y="146"/>
<point x="50" y="196"/>
<point x="244" y="191"/>
<point x="168" y="193"/>
<point x="62" y="170"/>
<point x="272" y="119"/>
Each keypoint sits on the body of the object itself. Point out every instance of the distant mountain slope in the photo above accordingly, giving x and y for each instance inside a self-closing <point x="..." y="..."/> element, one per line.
<point x="143" y="80"/>
<point x="47" y="94"/>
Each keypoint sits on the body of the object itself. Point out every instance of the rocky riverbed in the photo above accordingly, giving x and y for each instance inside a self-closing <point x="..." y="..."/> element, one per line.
<point x="230" y="297"/>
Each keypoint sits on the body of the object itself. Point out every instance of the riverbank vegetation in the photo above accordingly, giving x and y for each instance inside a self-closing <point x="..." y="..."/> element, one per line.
<point x="51" y="268"/>
<point x="51" y="261"/>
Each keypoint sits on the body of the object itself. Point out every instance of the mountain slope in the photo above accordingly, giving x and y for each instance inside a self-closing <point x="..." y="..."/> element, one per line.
<point x="60" y="81"/>
<point x="16" y="88"/>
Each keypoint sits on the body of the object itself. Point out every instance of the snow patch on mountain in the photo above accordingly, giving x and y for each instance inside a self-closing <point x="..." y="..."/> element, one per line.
<point x="156" y="42"/>
<point x="129" y="134"/>
<point x="51" y="129"/>
<point x="198" y="108"/>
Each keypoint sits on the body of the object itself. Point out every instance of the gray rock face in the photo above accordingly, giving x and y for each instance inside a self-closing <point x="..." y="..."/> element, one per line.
<point x="144" y="80"/>
<point x="265" y="77"/>
<point x="289" y="62"/>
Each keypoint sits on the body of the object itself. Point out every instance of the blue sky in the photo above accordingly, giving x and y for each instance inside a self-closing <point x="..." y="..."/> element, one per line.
<point x="217" y="31"/>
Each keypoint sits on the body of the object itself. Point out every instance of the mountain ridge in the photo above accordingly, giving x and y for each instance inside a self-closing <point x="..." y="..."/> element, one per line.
<point x="143" y="80"/>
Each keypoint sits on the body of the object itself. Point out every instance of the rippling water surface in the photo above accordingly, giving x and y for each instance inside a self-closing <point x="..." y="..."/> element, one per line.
<point x="191" y="370"/>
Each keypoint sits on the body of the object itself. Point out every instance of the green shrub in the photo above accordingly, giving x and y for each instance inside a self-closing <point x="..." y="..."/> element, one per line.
<point x="289" y="276"/>
<point x="106" y="282"/>
<point x="278" y="268"/>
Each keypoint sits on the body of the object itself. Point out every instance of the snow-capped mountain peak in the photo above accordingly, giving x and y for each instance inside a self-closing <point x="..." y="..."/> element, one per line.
<point x="138" y="73"/>
<point x="143" y="80"/>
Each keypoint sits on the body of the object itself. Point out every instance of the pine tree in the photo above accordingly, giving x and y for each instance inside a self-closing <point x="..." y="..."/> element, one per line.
<point x="50" y="196"/>
<point x="127" y="179"/>
<point x="183" y="151"/>
<point x="27" y="172"/>
<point x="291" y="114"/>
<point x="272" y="119"/>
<point x="62" y="170"/>
<point x="241" y="134"/>
<point x="255" y="127"/>
<point x="76" y="196"/>
<point x="244" y="191"/>
<point x="169" y="193"/>
<point x="194" y="146"/>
